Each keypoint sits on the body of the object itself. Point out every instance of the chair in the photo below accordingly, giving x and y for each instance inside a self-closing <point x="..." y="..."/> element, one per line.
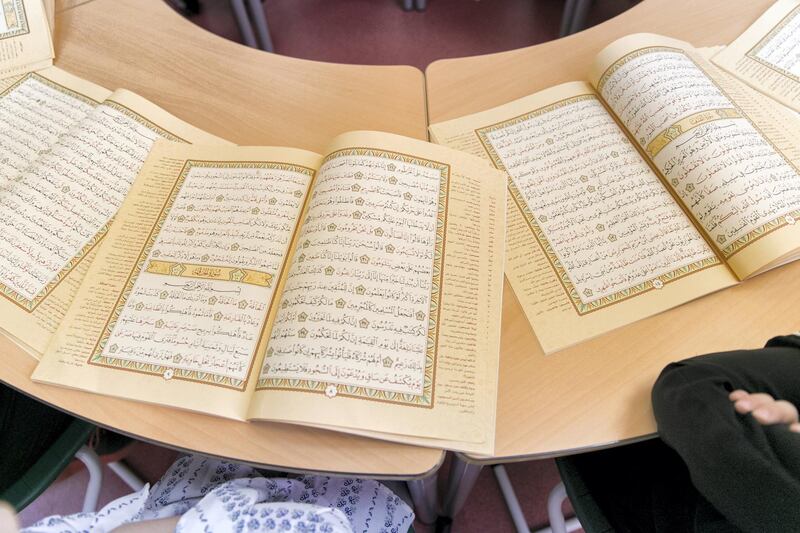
<point x="249" y="16"/>
<point x="419" y="5"/>
<point x="45" y="470"/>
<point x="558" y="524"/>
<point x="71" y="444"/>
<point x="572" y="485"/>
<point x="624" y="487"/>
<point x="574" y="18"/>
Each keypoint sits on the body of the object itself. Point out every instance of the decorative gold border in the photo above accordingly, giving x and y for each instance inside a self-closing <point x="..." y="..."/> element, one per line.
<point x="10" y="294"/>
<point x="24" y="29"/>
<point x="768" y="227"/>
<point x="687" y="124"/>
<point x="753" y="52"/>
<point x="426" y="399"/>
<point x="97" y="358"/>
<point x="555" y="263"/>
<point x="213" y="272"/>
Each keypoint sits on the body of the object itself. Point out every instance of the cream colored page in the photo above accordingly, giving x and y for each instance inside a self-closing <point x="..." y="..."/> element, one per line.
<point x="724" y="167"/>
<point x="38" y="108"/>
<point x="59" y="207"/>
<point x="35" y="111"/>
<point x="594" y="239"/>
<point x="184" y="281"/>
<point x="767" y="54"/>
<point x="50" y="14"/>
<point x="389" y="319"/>
<point x="781" y="125"/>
<point x="8" y="75"/>
<point x="25" y="35"/>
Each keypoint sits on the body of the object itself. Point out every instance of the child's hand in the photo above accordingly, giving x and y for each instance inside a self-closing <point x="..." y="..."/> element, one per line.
<point x="765" y="409"/>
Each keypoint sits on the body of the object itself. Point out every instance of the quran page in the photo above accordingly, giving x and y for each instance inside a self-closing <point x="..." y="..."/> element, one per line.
<point x="594" y="238"/>
<point x="176" y="302"/>
<point x="72" y="161"/>
<point x="726" y="155"/>
<point x="767" y="54"/>
<point x="9" y="75"/>
<point x="25" y="36"/>
<point x="389" y="320"/>
<point x="35" y="111"/>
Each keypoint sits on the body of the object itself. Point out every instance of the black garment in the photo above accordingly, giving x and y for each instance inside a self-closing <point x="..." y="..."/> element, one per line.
<point x="27" y="429"/>
<point x="749" y="472"/>
<point x="713" y="470"/>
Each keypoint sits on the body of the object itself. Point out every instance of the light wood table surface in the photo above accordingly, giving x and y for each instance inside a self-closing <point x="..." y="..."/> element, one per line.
<point x="597" y="394"/>
<point x="249" y="97"/>
<point x="63" y="5"/>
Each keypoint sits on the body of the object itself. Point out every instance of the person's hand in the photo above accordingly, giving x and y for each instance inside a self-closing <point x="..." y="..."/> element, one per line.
<point x="766" y="409"/>
<point x="8" y="518"/>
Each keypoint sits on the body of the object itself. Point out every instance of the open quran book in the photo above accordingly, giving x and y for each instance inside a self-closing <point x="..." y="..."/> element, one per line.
<point x="358" y="290"/>
<point x="69" y="151"/>
<point x="658" y="180"/>
<point x="26" y="36"/>
<point x="767" y="55"/>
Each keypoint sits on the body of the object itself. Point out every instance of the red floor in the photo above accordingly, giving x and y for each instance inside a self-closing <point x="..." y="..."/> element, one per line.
<point x="379" y="32"/>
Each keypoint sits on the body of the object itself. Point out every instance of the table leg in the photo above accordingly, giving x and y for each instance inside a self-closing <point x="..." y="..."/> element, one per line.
<point x="566" y="18"/>
<point x="424" y="494"/>
<point x="243" y="21"/>
<point x="460" y="482"/>
<point x="260" y="21"/>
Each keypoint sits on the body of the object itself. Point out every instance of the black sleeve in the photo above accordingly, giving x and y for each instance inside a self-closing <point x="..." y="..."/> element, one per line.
<point x="749" y="472"/>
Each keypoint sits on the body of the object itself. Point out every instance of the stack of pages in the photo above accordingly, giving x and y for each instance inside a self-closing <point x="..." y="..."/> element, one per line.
<point x="26" y="36"/>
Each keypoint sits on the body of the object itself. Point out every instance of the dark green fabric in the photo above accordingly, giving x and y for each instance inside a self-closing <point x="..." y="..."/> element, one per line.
<point x="638" y="488"/>
<point x="36" y="443"/>
<point x="583" y="503"/>
<point x="51" y="463"/>
<point x="27" y="429"/>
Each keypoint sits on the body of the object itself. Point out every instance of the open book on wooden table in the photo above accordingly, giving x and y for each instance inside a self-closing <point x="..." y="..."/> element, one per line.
<point x="658" y="180"/>
<point x="358" y="290"/>
<point x="70" y="151"/>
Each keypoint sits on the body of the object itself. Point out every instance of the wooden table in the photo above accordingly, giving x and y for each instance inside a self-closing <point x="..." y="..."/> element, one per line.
<point x="597" y="394"/>
<point x="248" y="97"/>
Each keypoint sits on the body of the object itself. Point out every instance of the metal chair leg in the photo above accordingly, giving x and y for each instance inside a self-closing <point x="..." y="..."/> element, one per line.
<point x="580" y="15"/>
<point x="566" y="18"/>
<point x="259" y="19"/>
<point x="557" y="522"/>
<point x="420" y="5"/>
<point x="124" y="472"/>
<point x="424" y="494"/>
<point x="514" y="508"/>
<point x="87" y="456"/>
<point x="243" y="21"/>
<point x="408" y="5"/>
